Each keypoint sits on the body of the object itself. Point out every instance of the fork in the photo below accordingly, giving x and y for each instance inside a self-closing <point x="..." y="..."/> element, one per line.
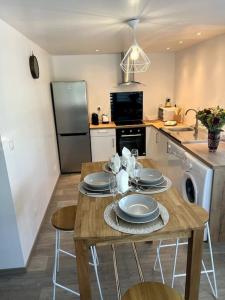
<point x="116" y="217"/>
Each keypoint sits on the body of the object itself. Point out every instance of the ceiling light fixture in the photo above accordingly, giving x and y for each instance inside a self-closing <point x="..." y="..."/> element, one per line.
<point x="199" y="33"/>
<point x="97" y="50"/>
<point x="180" y="42"/>
<point x="168" y="48"/>
<point x="135" y="60"/>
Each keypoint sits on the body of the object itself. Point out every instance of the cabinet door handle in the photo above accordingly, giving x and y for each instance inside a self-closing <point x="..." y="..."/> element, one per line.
<point x="131" y="135"/>
<point x="113" y="143"/>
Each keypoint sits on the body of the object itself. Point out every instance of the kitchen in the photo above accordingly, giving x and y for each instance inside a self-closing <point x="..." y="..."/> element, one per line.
<point x="190" y="73"/>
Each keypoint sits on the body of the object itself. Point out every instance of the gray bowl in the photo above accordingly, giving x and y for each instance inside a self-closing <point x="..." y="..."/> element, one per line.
<point x="148" y="175"/>
<point x="137" y="205"/>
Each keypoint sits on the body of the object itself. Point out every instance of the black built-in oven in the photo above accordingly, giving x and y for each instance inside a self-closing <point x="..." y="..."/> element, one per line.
<point x="131" y="138"/>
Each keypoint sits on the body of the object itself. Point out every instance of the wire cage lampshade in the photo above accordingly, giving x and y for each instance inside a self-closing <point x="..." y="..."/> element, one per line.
<point x="135" y="60"/>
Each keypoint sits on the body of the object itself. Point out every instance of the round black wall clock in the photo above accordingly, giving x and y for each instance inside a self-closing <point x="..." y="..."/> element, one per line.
<point x="34" y="67"/>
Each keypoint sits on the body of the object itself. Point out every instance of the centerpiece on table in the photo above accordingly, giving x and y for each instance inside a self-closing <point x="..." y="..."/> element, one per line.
<point x="213" y="119"/>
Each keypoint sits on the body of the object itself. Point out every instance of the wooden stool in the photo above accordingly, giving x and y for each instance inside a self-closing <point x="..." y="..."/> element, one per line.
<point x="63" y="220"/>
<point x="151" y="291"/>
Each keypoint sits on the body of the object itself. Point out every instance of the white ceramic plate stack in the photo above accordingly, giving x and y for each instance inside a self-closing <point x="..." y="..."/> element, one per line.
<point x="138" y="209"/>
<point x="95" y="184"/>
<point x="152" y="181"/>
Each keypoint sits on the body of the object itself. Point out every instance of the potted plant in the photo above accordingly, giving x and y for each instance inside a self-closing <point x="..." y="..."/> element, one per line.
<point x="213" y="119"/>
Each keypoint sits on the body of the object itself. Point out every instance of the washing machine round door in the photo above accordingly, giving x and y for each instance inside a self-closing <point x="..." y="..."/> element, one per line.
<point x="189" y="188"/>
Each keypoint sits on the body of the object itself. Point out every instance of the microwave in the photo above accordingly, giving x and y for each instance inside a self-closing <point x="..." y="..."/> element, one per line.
<point x="166" y="113"/>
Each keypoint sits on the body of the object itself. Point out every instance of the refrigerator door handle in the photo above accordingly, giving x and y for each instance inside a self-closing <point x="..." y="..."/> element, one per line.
<point x="73" y="134"/>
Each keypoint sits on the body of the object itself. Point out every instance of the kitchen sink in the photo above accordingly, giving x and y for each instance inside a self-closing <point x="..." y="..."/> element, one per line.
<point x="177" y="129"/>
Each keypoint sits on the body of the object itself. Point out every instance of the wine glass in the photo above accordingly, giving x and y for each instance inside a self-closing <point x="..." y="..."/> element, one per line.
<point x="113" y="186"/>
<point x="134" y="152"/>
<point x="137" y="174"/>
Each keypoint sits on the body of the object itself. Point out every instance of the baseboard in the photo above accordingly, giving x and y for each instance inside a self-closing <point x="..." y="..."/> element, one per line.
<point x="35" y="241"/>
<point x="14" y="271"/>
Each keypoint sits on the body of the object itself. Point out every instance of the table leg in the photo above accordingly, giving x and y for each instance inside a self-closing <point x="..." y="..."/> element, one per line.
<point x="83" y="271"/>
<point x="193" y="270"/>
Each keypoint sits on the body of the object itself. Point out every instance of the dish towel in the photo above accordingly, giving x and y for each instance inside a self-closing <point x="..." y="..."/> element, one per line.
<point x="122" y="179"/>
<point x="115" y="163"/>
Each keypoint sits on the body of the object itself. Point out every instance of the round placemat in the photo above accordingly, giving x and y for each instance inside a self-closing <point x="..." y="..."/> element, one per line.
<point x="157" y="189"/>
<point x="123" y="226"/>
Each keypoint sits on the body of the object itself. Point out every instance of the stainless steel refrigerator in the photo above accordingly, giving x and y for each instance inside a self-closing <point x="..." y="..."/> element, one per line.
<point x="71" y="120"/>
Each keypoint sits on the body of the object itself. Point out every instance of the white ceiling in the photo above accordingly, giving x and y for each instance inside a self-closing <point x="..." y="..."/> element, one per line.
<point x="82" y="26"/>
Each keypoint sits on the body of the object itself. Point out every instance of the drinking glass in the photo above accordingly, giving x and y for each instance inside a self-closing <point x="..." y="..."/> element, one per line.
<point x="137" y="174"/>
<point x="134" y="152"/>
<point x="113" y="186"/>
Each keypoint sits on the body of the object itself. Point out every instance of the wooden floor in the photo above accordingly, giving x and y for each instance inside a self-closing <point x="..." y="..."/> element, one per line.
<point x="36" y="283"/>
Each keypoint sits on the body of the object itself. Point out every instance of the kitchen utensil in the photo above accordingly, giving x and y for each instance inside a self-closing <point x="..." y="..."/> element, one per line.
<point x="138" y="206"/>
<point x="97" y="180"/>
<point x="136" y="220"/>
<point x="148" y="175"/>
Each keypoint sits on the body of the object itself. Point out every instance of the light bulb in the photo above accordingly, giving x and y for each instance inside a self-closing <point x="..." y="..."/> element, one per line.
<point x="134" y="55"/>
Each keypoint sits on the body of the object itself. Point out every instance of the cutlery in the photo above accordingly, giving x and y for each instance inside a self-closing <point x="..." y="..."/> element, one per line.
<point x="97" y="194"/>
<point x="160" y="216"/>
<point x="116" y="217"/>
<point x="141" y="188"/>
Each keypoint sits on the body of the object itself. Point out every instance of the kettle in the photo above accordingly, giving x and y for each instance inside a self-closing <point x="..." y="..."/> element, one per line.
<point x="94" y="119"/>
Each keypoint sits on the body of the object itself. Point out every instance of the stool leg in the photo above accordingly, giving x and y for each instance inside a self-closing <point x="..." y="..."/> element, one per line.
<point x="175" y="262"/>
<point x="93" y="254"/>
<point x="159" y="261"/>
<point x="55" y="264"/>
<point x="58" y="250"/>
<point x="96" y="255"/>
<point x="214" y="289"/>
<point x="156" y="259"/>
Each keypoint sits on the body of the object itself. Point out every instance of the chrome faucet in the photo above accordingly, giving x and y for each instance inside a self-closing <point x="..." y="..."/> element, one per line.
<point x="196" y="120"/>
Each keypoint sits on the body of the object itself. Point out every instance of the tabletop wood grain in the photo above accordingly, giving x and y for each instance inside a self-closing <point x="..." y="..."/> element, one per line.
<point x="186" y="220"/>
<point x="90" y="223"/>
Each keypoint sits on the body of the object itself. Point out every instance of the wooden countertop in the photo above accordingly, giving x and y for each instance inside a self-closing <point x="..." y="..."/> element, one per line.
<point x="156" y="123"/>
<point x="212" y="159"/>
<point x="198" y="149"/>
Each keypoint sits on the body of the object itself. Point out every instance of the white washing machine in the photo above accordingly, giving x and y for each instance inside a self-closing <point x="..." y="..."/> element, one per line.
<point x="196" y="183"/>
<point x="191" y="177"/>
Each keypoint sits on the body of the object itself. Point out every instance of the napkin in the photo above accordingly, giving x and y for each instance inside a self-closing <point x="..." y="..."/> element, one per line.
<point x="122" y="179"/>
<point x="115" y="163"/>
<point x="131" y="166"/>
<point x="126" y="154"/>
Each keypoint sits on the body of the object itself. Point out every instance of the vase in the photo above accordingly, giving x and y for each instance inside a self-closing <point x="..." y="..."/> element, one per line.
<point x="213" y="140"/>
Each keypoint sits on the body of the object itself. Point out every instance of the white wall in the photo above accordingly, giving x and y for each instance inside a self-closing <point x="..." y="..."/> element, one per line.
<point x="200" y="74"/>
<point x="27" y="130"/>
<point x="102" y="73"/>
<point x="10" y="249"/>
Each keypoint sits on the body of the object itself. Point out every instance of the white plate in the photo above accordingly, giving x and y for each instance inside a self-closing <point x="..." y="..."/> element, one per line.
<point x="96" y="189"/>
<point x="97" y="180"/>
<point x="148" y="175"/>
<point x="138" y="206"/>
<point x="134" y="220"/>
<point x="157" y="189"/>
<point x="94" y="194"/>
<point x="157" y="183"/>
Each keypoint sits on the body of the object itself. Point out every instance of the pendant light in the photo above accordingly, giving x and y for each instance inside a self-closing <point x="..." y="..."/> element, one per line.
<point x="135" y="60"/>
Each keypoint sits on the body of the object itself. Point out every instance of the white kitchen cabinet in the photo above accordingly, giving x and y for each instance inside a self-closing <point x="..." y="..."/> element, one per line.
<point x="156" y="147"/>
<point x="103" y="144"/>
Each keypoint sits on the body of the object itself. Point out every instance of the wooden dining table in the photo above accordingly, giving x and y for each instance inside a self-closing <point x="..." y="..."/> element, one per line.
<point x="186" y="221"/>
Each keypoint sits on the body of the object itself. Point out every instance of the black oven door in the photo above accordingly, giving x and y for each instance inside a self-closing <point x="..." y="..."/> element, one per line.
<point x="131" y="141"/>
